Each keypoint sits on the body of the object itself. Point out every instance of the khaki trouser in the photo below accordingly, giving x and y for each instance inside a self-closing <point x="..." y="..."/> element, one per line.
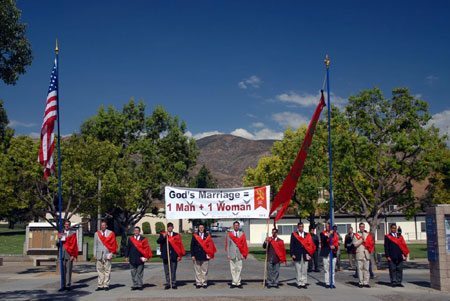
<point x="326" y="267"/>
<point x="201" y="272"/>
<point x="104" y="272"/>
<point x="301" y="267"/>
<point x="363" y="271"/>
<point x="236" y="269"/>
<point x="351" y="260"/>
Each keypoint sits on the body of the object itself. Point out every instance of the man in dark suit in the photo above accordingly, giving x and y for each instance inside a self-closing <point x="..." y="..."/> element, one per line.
<point x="136" y="259"/>
<point x="351" y="250"/>
<point x="202" y="250"/>
<point x="176" y="251"/>
<point x="315" y="257"/>
<point x="329" y="242"/>
<point x="396" y="252"/>
<point x="301" y="249"/>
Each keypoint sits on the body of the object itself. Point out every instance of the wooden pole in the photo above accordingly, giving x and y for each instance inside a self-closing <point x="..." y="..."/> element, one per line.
<point x="267" y="251"/>
<point x="168" y="258"/>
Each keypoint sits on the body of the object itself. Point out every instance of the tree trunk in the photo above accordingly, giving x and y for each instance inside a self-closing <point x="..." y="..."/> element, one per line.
<point x="11" y="224"/>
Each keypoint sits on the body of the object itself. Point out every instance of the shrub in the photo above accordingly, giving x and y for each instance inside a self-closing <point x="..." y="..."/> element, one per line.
<point x="146" y="228"/>
<point x="159" y="226"/>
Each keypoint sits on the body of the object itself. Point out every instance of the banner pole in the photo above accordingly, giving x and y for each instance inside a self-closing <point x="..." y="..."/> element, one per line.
<point x="267" y="251"/>
<point x="168" y="257"/>
<point x="330" y="164"/>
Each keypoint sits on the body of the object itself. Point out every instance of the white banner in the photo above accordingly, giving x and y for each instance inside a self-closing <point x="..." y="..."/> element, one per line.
<point x="199" y="203"/>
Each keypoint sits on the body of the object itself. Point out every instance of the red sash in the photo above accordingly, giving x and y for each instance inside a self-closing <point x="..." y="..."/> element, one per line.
<point x="241" y="243"/>
<point x="142" y="246"/>
<point x="207" y="245"/>
<point x="307" y="243"/>
<point x="177" y="244"/>
<point x="109" y="241"/>
<point x="334" y="240"/>
<point x="71" y="245"/>
<point x="369" y="243"/>
<point x="278" y="246"/>
<point x="400" y="242"/>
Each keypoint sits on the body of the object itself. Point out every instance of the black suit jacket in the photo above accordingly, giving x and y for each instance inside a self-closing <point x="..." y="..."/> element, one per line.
<point x="162" y="242"/>
<point x="134" y="256"/>
<point x="392" y="250"/>
<point x="197" y="250"/>
<point x="297" y="248"/>
<point x="325" y="245"/>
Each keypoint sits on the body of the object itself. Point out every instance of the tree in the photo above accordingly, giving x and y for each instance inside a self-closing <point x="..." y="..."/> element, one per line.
<point x="272" y="170"/>
<point x="386" y="147"/>
<point x="438" y="191"/>
<point x="15" y="50"/>
<point x="6" y="133"/>
<point x="154" y="152"/>
<point x="203" y="179"/>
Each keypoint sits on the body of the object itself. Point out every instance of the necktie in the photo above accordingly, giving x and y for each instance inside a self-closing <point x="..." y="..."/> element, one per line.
<point x="136" y="237"/>
<point x="104" y="234"/>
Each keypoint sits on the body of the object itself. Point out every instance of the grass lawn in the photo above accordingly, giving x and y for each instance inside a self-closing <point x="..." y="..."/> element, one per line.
<point x="417" y="251"/>
<point x="12" y="244"/>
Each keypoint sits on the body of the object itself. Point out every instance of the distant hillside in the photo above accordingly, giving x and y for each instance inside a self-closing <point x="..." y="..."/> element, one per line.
<point x="228" y="156"/>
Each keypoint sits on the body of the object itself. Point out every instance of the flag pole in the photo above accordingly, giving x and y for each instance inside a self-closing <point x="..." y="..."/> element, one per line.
<point x="330" y="162"/>
<point x="168" y="257"/>
<point x="267" y="251"/>
<point x="60" y="222"/>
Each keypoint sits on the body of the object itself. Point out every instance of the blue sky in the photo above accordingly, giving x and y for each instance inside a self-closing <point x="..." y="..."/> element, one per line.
<point x="250" y="68"/>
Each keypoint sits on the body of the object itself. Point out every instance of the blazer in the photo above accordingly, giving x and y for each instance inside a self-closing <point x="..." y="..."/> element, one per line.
<point x="162" y="242"/>
<point x="100" y="251"/>
<point x="325" y="246"/>
<point x="134" y="256"/>
<point x="361" y="251"/>
<point x="392" y="250"/>
<point x="232" y="250"/>
<point x="197" y="250"/>
<point x="297" y="248"/>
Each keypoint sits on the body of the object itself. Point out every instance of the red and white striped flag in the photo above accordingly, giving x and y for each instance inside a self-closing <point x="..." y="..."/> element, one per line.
<point x="50" y="115"/>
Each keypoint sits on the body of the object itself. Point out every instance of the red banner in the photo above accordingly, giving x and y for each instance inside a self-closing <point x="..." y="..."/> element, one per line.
<point x="109" y="242"/>
<point x="400" y="242"/>
<point x="260" y="197"/>
<point x="207" y="245"/>
<point x="307" y="243"/>
<point x="284" y="196"/>
<point x="241" y="243"/>
<point x="142" y="246"/>
<point x="71" y="245"/>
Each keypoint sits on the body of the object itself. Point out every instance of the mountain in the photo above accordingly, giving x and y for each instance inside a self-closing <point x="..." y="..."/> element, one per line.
<point x="228" y="156"/>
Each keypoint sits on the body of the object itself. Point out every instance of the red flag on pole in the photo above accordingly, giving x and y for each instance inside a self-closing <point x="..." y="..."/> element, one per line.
<point x="284" y="196"/>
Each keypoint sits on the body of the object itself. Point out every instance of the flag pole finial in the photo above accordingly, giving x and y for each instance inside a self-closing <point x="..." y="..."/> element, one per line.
<point x="56" y="47"/>
<point x="327" y="61"/>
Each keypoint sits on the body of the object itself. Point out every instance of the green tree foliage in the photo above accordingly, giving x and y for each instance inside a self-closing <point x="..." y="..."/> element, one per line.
<point x="6" y="133"/>
<point x="273" y="169"/>
<point x="15" y="50"/>
<point x="388" y="146"/>
<point x="203" y="179"/>
<point x="154" y="152"/>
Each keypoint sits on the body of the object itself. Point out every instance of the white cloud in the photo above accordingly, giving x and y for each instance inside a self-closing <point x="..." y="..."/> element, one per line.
<point x="16" y="123"/>
<point x="34" y="135"/>
<point x="442" y="122"/>
<point x="257" y="124"/>
<point x="188" y="134"/>
<point x="430" y="79"/>
<point x="290" y="119"/>
<point x="309" y="100"/>
<point x="251" y="82"/>
<point x="261" y="134"/>
<point x="242" y="133"/>
<point x="206" y="134"/>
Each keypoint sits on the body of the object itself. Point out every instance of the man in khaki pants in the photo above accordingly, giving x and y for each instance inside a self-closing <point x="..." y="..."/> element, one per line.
<point x="237" y="250"/>
<point x="202" y="250"/>
<point x="105" y="246"/>
<point x="363" y="244"/>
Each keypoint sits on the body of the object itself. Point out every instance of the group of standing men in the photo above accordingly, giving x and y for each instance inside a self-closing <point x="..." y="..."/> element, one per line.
<point x="304" y="250"/>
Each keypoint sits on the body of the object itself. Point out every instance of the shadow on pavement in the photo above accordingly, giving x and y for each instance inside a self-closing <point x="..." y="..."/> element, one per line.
<point x="421" y="283"/>
<point x="385" y="283"/>
<point x="42" y="295"/>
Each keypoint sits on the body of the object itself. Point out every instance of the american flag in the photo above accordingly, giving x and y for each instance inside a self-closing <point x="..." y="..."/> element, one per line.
<point x="47" y="136"/>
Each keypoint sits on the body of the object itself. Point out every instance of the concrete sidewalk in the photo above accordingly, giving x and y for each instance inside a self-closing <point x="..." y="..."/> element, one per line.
<point x="21" y="281"/>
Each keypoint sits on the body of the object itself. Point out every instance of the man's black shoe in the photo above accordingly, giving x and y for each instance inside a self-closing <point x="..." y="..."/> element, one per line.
<point x="174" y="287"/>
<point x="277" y="286"/>
<point x="310" y="271"/>
<point x="133" y="288"/>
<point x="205" y="286"/>
<point x="400" y="285"/>
<point x="367" y="285"/>
<point x="327" y="286"/>
<point x="232" y="286"/>
<point x="106" y="288"/>
<point x="240" y="286"/>
<point x="198" y="286"/>
<point x="166" y="287"/>
<point x="99" y="289"/>
<point x="360" y="285"/>
<point x="332" y="286"/>
<point x="62" y="289"/>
